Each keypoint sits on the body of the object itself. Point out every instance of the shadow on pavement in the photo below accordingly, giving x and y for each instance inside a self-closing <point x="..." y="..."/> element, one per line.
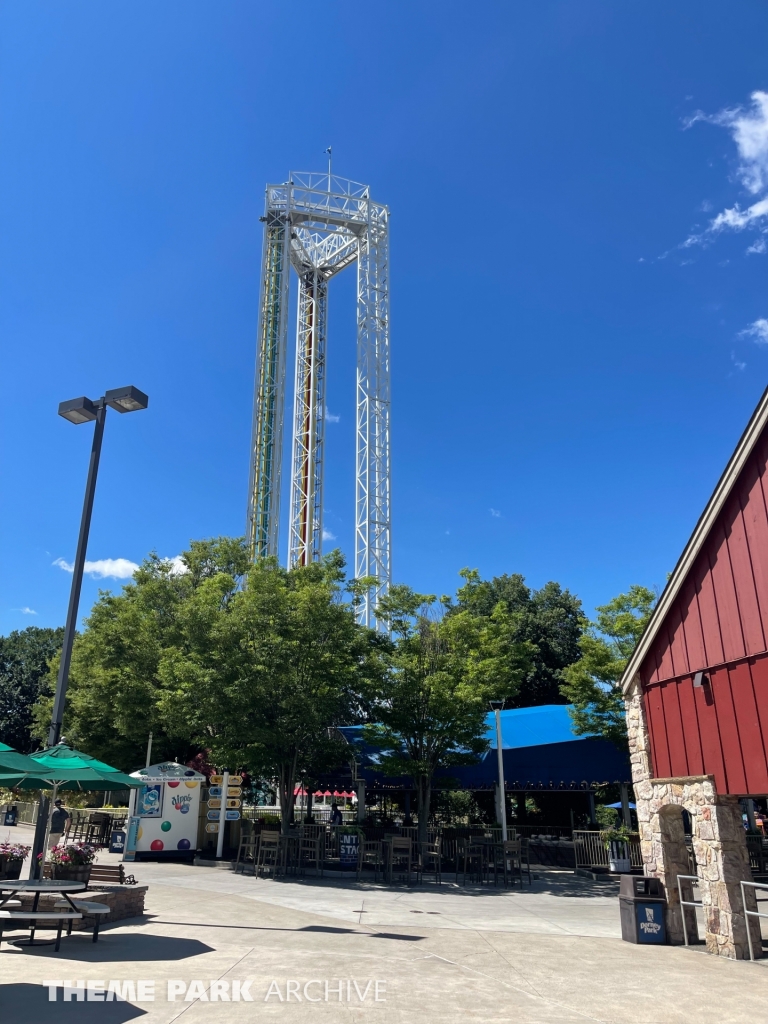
<point x="29" y="1004"/>
<point x="124" y="948"/>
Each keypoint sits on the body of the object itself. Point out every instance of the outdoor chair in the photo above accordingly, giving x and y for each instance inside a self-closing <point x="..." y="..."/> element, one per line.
<point x="370" y="854"/>
<point x="430" y="857"/>
<point x="269" y="849"/>
<point x="312" y="849"/>
<point x="400" y="856"/>
<point x="511" y="860"/>
<point x="249" y="842"/>
<point x="473" y="857"/>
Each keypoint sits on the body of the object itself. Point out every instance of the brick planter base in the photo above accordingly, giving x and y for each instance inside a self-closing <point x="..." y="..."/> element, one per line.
<point x="125" y="901"/>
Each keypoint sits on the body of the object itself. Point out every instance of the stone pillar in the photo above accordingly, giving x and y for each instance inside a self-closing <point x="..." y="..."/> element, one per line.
<point x="719" y="844"/>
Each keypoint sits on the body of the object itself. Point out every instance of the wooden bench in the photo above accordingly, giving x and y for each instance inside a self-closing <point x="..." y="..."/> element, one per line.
<point x="33" y="916"/>
<point x="112" y="874"/>
<point x="87" y="908"/>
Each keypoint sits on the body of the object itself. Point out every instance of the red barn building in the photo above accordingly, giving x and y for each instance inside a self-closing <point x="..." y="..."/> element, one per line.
<point x="696" y="691"/>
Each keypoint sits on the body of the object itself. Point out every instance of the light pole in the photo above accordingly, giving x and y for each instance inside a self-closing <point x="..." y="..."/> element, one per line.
<point x="497" y="705"/>
<point x="81" y="410"/>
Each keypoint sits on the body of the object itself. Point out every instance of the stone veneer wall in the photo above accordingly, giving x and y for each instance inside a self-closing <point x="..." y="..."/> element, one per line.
<point x="124" y="900"/>
<point x="719" y="845"/>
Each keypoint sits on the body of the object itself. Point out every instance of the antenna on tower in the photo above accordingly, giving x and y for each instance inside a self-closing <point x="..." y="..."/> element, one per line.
<point x="328" y="151"/>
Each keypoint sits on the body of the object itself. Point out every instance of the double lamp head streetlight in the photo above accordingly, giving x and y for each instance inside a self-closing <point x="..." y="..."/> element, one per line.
<point x="83" y="410"/>
<point x="80" y="410"/>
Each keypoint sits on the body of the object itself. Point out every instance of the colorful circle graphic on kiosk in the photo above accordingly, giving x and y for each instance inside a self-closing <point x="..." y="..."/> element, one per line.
<point x="190" y="783"/>
<point x="183" y="844"/>
<point x="157" y="845"/>
<point x="140" y="833"/>
<point x="166" y="826"/>
<point x="173" y="783"/>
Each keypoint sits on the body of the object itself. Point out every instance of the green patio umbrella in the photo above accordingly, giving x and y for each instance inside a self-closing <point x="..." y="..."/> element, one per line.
<point x="12" y="761"/>
<point x="62" y="768"/>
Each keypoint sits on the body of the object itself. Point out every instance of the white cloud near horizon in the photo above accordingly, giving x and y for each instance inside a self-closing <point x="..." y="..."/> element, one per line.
<point x="103" y="568"/>
<point x="749" y="130"/>
<point x="25" y="610"/>
<point x="327" y="535"/>
<point x="757" y="331"/>
<point x="117" y="568"/>
<point x="329" y="417"/>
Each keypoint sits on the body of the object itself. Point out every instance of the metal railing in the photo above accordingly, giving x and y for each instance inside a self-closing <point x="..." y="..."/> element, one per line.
<point x="751" y="913"/>
<point x="687" y="903"/>
<point x="591" y="851"/>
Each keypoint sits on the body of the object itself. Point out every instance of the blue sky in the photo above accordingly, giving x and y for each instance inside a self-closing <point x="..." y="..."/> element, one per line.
<point x="579" y="330"/>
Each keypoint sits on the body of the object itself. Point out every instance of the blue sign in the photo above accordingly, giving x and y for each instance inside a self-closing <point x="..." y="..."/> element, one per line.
<point x="213" y="815"/>
<point x="348" y="844"/>
<point x="231" y="815"/>
<point x="214" y="791"/>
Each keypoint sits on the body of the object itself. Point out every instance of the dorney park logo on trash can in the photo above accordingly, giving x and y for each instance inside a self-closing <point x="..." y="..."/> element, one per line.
<point x="182" y="802"/>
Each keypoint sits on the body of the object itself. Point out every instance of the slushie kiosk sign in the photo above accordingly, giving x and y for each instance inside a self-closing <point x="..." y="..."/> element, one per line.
<point x="168" y="806"/>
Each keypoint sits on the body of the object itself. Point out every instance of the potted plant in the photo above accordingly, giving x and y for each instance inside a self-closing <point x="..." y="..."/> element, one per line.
<point x="617" y="844"/>
<point x="11" y="858"/>
<point x="72" y="862"/>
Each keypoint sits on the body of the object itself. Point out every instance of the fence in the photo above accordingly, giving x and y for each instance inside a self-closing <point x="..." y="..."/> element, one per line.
<point x="27" y="811"/>
<point x="591" y="851"/>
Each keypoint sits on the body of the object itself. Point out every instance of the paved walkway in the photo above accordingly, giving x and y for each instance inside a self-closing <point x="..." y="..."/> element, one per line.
<point x="314" y="950"/>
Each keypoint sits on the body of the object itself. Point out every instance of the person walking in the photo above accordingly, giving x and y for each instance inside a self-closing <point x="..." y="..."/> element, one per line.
<point x="59" y="820"/>
<point x="336" y="818"/>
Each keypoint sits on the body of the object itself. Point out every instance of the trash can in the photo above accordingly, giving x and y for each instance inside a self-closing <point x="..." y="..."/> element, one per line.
<point x="643" y="907"/>
<point x="117" y="841"/>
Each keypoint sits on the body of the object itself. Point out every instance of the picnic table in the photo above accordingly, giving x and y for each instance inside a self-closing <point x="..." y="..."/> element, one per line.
<point x="38" y="888"/>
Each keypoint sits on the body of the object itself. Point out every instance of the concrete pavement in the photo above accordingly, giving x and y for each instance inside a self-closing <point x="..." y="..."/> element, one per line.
<point x="315" y="950"/>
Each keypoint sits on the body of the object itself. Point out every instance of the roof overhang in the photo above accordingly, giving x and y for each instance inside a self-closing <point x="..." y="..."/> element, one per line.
<point x="713" y="508"/>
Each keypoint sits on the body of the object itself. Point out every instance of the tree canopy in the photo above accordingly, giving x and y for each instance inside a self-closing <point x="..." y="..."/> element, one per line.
<point x="269" y="670"/>
<point x="592" y="683"/>
<point x="429" y="708"/>
<point x="25" y="656"/>
<point x="116" y="685"/>
<point x="550" y="620"/>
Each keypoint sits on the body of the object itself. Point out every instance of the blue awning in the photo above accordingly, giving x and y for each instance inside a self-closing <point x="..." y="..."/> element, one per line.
<point x="540" y="748"/>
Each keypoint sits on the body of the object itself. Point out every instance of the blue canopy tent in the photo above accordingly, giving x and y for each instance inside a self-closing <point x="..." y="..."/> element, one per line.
<point x="541" y="752"/>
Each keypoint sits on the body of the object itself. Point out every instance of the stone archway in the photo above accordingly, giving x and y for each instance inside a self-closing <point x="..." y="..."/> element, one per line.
<point x="720" y="850"/>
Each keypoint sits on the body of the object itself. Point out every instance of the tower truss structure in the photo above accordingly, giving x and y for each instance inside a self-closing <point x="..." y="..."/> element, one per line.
<point x="319" y="224"/>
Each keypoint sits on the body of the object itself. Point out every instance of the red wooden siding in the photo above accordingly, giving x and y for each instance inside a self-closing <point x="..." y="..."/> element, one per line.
<point x="718" y="623"/>
<point x="721" y="613"/>
<point x="718" y="729"/>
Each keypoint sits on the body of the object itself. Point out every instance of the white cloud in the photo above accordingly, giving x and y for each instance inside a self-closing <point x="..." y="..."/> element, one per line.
<point x="25" y="610"/>
<point x="759" y="246"/>
<point x="495" y="513"/>
<point x="327" y="535"/>
<point x="757" y="331"/>
<point x="103" y="568"/>
<point x="749" y="131"/>
<point x="178" y="568"/>
<point x="329" y="417"/>
<point x="737" y="363"/>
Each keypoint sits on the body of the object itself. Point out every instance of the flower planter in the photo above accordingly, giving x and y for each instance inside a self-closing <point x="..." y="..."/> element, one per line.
<point x="618" y="858"/>
<point x="10" y="869"/>
<point x="71" y="873"/>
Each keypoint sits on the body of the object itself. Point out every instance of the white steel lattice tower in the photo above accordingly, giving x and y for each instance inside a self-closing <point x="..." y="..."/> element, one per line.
<point x="320" y="224"/>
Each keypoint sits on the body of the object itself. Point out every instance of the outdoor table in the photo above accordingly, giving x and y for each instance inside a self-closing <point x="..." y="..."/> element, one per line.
<point x="39" y="888"/>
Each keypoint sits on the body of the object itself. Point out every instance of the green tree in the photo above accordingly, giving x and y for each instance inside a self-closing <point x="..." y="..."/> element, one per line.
<point x="592" y="683"/>
<point x="551" y="620"/>
<point x="430" y="708"/>
<point x="25" y="656"/>
<point x="116" y="687"/>
<point x="268" y="671"/>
